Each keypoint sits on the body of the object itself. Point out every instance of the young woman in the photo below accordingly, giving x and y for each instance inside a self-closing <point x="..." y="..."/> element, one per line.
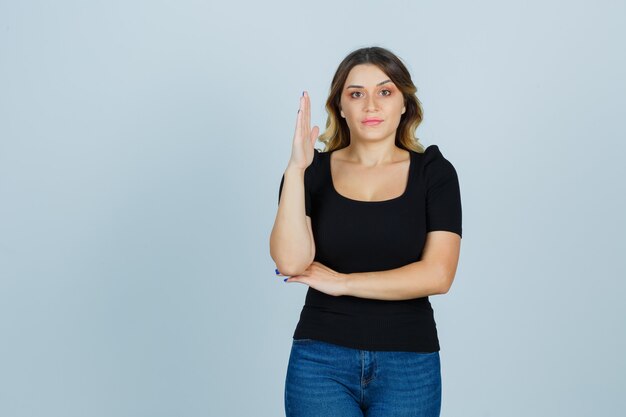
<point x="373" y="226"/>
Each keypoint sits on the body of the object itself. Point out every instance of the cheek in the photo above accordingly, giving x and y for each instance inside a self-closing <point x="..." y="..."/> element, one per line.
<point x="399" y="103"/>
<point x="398" y="110"/>
<point x="348" y="112"/>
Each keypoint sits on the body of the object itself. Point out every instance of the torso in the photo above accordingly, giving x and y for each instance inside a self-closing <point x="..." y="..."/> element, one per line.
<point x="369" y="184"/>
<point x="377" y="226"/>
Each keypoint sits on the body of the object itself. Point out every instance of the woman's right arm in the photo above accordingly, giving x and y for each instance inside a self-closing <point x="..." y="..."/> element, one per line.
<point x="291" y="243"/>
<point x="292" y="246"/>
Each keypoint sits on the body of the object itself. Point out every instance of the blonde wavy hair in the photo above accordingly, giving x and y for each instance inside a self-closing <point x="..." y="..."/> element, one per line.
<point x="337" y="134"/>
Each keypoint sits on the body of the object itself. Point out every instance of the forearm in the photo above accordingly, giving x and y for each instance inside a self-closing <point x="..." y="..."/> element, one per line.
<point x="291" y="243"/>
<point x="415" y="280"/>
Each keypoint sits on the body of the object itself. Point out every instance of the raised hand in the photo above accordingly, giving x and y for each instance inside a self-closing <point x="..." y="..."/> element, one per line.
<point x="304" y="137"/>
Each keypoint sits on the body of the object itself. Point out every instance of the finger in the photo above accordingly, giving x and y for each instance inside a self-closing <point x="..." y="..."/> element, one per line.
<point x="304" y="130"/>
<point x="314" y="134"/>
<point x="303" y="111"/>
<point x="322" y="266"/>
<point x="299" y="118"/>
<point x="307" y="114"/>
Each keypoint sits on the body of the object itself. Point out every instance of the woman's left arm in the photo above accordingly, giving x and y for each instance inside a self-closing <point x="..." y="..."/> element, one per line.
<point x="431" y="275"/>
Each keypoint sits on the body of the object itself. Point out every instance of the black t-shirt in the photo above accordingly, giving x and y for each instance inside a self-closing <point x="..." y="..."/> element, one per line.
<point x="360" y="236"/>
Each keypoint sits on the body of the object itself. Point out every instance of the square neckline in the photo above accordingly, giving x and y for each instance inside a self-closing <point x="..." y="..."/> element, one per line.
<point x="390" y="200"/>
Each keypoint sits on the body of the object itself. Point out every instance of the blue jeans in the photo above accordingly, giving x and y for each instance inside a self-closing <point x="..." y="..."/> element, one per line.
<point x="328" y="380"/>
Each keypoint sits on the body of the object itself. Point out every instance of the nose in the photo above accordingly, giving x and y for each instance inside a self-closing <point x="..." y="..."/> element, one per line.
<point x="370" y="103"/>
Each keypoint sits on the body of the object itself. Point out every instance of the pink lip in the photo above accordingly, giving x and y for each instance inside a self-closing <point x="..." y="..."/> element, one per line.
<point x="372" y="122"/>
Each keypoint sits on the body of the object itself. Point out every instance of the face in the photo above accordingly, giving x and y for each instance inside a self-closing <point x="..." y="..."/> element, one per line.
<point x="371" y="104"/>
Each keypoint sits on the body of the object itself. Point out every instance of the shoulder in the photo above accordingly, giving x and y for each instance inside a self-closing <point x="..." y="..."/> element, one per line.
<point x="432" y="155"/>
<point x="435" y="164"/>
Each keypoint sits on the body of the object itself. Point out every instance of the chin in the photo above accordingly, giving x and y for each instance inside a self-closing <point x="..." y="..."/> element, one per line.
<point x="375" y="133"/>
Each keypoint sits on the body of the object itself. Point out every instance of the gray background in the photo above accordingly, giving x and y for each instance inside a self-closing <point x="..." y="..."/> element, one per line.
<point x="141" y="149"/>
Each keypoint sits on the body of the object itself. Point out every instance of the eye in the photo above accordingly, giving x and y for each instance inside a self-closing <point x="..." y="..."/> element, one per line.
<point x="356" y="92"/>
<point x="388" y="91"/>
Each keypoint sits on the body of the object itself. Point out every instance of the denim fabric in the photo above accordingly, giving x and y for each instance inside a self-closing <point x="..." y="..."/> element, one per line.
<point x="328" y="380"/>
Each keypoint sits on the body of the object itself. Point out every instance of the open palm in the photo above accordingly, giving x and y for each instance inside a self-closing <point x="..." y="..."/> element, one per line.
<point x="304" y="137"/>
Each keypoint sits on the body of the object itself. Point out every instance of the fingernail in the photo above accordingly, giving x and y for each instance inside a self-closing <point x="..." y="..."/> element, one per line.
<point x="285" y="280"/>
<point x="303" y="93"/>
<point x="277" y="272"/>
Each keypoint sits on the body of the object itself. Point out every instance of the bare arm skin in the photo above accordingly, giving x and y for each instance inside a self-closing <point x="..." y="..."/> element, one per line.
<point x="291" y="242"/>
<point x="432" y="275"/>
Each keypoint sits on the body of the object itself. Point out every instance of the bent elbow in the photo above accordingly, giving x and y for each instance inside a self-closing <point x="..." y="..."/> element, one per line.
<point x="446" y="282"/>
<point x="291" y="269"/>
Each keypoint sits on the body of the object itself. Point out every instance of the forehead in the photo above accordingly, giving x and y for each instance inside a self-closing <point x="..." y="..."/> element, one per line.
<point x="367" y="75"/>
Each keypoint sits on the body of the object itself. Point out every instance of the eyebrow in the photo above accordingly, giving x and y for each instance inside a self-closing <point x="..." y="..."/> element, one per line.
<point x="360" y="86"/>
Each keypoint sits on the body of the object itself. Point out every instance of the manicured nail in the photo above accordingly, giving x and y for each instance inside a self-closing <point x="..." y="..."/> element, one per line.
<point x="302" y="93"/>
<point x="277" y="272"/>
<point x="285" y="280"/>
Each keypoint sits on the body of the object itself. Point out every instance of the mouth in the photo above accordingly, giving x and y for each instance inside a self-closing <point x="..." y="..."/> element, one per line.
<point x="372" y="122"/>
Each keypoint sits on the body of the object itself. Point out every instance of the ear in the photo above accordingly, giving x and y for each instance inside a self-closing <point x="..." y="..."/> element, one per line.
<point x="403" y="110"/>
<point x="341" y="112"/>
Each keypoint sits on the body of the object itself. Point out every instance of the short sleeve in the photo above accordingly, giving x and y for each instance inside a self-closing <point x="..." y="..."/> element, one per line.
<point x="443" y="194"/>
<point x="308" y="179"/>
